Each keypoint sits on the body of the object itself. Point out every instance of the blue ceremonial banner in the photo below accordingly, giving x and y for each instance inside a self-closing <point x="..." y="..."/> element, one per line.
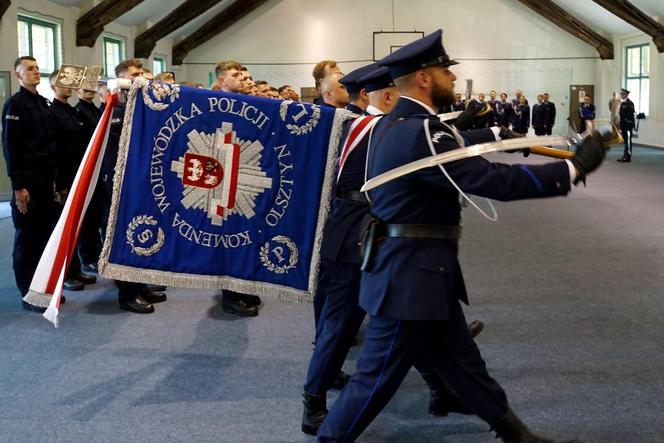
<point x="216" y="190"/>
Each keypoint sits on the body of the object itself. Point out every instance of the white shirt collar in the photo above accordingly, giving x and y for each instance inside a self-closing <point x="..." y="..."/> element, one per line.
<point x="424" y="105"/>
<point x="372" y="110"/>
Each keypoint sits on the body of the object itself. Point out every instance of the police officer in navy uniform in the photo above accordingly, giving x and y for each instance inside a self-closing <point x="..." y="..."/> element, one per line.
<point x="358" y="101"/>
<point x="539" y="117"/>
<point x="339" y="280"/>
<point x="70" y="145"/>
<point x="133" y="297"/>
<point x="549" y="114"/>
<point x="459" y="104"/>
<point x="626" y="114"/>
<point x="30" y="154"/>
<point x="586" y="112"/>
<point x="90" y="242"/>
<point x="412" y="282"/>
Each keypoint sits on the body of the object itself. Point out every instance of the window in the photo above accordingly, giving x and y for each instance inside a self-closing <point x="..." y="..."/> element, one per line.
<point x="113" y="54"/>
<point x="41" y="40"/>
<point x="158" y="65"/>
<point x="38" y="38"/>
<point x="637" y="75"/>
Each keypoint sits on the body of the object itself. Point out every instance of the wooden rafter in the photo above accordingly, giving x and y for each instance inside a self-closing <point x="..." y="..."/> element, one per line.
<point x="4" y="5"/>
<point x="145" y="43"/>
<point x="91" y="24"/>
<point x="637" y="18"/>
<point x="566" y="21"/>
<point x="217" y="24"/>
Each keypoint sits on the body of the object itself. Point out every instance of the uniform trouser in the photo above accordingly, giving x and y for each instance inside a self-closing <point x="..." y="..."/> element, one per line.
<point x="340" y="321"/>
<point x="31" y="233"/>
<point x="391" y="347"/>
<point x="549" y="130"/>
<point x="627" y="137"/>
<point x="539" y="130"/>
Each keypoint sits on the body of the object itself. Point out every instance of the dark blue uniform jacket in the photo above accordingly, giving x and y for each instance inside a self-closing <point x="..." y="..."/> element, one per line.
<point x="413" y="279"/>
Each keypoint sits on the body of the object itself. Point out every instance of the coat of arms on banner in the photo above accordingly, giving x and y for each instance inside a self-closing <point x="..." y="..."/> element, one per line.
<point x="221" y="174"/>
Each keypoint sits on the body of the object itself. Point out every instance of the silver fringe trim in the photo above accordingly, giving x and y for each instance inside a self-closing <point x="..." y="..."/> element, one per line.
<point x="37" y="298"/>
<point x="340" y="116"/>
<point x="168" y="278"/>
<point x="119" y="171"/>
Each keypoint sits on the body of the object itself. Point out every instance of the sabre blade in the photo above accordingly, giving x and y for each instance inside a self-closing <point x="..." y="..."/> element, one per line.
<point x="461" y="153"/>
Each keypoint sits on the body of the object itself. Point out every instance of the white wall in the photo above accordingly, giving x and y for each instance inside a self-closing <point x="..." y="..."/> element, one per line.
<point x="343" y="30"/>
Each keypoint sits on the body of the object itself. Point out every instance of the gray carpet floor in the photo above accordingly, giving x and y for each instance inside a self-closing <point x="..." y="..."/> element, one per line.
<point x="570" y="289"/>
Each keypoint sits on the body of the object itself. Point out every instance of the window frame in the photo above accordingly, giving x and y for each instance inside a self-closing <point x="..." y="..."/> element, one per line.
<point x="644" y="48"/>
<point x="110" y="73"/>
<point x="162" y="62"/>
<point x="55" y="28"/>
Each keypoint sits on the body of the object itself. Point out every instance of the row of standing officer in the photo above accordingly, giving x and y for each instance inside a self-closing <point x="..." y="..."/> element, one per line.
<point x="42" y="144"/>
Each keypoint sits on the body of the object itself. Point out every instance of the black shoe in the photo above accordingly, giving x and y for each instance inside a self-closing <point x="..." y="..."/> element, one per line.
<point x="157" y="288"/>
<point x="314" y="412"/>
<point x="63" y="299"/>
<point x="340" y="381"/>
<point x="86" y="279"/>
<point x="239" y="308"/>
<point x="442" y="399"/>
<point x="153" y="297"/>
<point x="251" y="300"/>
<point x="512" y="430"/>
<point x="90" y="267"/>
<point x="28" y="307"/>
<point x="71" y="284"/>
<point x="475" y="327"/>
<point x="625" y="159"/>
<point x="137" y="305"/>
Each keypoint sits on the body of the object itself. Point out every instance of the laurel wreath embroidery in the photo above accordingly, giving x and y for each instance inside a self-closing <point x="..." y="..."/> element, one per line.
<point x="294" y="255"/>
<point x="304" y="129"/>
<point x="144" y="220"/>
<point x="161" y="92"/>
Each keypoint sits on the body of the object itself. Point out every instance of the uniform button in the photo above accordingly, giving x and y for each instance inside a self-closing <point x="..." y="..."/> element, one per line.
<point x="441" y="269"/>
<point x="558" y="185"/>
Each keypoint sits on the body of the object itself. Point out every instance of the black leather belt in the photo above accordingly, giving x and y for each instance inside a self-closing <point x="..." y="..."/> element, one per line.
<point x="448" y="232"/>
<point x="355" y="196"/>
<point x="376" y="230"/>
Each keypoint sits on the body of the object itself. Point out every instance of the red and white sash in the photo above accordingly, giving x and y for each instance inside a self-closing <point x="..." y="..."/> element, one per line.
<point x="359" y="129"/>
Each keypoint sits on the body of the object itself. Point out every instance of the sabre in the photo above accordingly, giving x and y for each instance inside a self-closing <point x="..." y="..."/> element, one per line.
<point x="532" y="143"/>
<point x="461" y="153"/>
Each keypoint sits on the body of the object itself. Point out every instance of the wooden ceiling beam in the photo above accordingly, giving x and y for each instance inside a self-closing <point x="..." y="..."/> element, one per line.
<point x="213" y="27"/>
<point x="91" y="24"/>
<point x="144" y="44"/>
<point x="4" y="5"/>
<point x="637" y="18"/>
<point x="561" y="18"/>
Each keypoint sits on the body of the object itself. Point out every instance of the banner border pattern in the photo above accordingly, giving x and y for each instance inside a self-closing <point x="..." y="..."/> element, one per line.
<point x="168" y="278"/>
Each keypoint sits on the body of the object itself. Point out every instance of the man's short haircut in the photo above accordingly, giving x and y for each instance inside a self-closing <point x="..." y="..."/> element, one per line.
<point x="260" y="82"/>
<point x="147" y="71"/>
<point x="53" y="76"/>
<point x="126" y="64"/>
<point x="281" y="89"/>
<point x="226" y="65"/>
<point x="272" y="88"/>
<point x="353" y="96"/>
<point x="19" y="60"/>
<point x="319" y="70"/>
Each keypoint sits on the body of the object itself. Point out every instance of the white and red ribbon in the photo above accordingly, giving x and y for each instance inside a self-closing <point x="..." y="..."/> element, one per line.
<point x="46" y="287"/>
